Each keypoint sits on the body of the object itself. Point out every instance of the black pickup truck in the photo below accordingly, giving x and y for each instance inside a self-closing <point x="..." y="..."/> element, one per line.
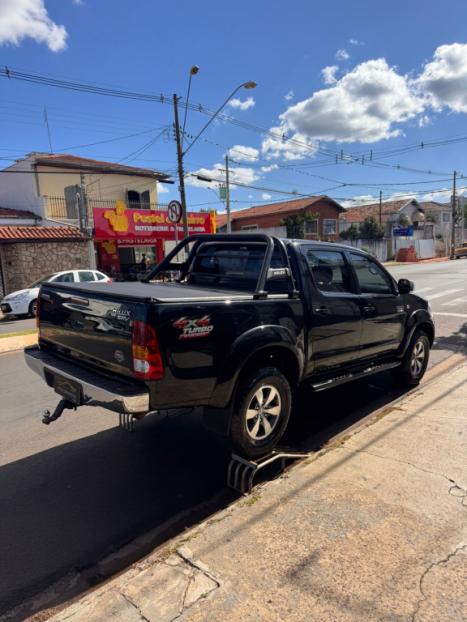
<point x="249" y="318"/>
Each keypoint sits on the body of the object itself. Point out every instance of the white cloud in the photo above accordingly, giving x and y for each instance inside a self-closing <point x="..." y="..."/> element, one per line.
<point x="268" y="169"/>
<point x="78" y="2"/>
<point x="329" y="74"/>
<point x="250" y="196"/>
<point x="279" y="144"/>
<point x="290" y="95"/>
<point x="361" y="199"/>
<point x="444" y="79"/>
<point x="364" y="105"/>
<point x="20" y="19"/>
<point x="424" y="121"/>
<point x="162" y="189"/>
<point x="240" y="174"/>
<point x="247" y="103"/>
<point x="443" y="196"/>
<point x="266" y="196"/>
<point x="242" y="153"/>
<point x="342" y="55"/>
<point x="355" y="42"/>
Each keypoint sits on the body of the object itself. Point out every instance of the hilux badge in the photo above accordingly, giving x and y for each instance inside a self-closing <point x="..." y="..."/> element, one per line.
<point x="119" y="356"/>
<point x="199" y="327"/>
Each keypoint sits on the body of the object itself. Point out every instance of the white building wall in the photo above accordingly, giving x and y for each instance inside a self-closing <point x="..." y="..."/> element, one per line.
<point x="18" y="190"/>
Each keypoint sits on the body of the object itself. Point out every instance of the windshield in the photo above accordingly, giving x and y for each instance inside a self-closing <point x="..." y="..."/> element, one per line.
<point x="44" y="279"/>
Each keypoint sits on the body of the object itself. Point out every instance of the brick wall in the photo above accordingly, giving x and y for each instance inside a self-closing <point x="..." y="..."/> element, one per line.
<point x="323" y="208"/>
<point x="24" y="263"/>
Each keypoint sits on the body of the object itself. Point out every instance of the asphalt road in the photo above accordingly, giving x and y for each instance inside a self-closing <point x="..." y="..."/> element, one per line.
<point x="14" y="325"/>
<point x="79" y="489"/>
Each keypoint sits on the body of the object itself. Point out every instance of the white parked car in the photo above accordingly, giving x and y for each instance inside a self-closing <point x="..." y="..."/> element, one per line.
<point x="24" y="301"/>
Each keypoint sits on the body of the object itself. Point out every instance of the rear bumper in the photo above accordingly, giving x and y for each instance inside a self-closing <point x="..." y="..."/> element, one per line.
<point x="97" y="390"/>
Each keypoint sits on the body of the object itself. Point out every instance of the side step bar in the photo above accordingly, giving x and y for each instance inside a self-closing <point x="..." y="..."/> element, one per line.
<point x="338" y="380"/>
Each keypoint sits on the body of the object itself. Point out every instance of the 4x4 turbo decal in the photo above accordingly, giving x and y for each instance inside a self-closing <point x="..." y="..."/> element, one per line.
<point x="200" y="327"/>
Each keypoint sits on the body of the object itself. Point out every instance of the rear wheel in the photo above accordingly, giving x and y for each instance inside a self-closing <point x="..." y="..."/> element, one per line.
<point x="415" y="361"/>
<point x="33" y="308"/>
<point x="261" y="413"/>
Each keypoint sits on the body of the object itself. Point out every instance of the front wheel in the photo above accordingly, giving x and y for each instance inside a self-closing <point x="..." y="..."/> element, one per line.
<point x="415" y="360"/>
<point x="261" y="413"/>
<point x="33" y="308"/>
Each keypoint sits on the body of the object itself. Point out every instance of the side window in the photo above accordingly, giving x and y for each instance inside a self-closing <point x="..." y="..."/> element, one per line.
<point x="99" y="276"/>
<point x="67" y="277"/>
<point x="86" y="275"/>
<point x="329" y="270"/>
<point x="371" y="278"/>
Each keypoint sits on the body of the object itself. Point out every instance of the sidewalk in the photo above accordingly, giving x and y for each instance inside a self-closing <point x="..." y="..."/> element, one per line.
<point x="372" y="528"/>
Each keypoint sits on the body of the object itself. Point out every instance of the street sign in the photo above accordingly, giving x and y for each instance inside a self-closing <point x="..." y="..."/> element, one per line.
<point x="402" y="231"/>
<point x="222" y="193"/>
<point x="174" y="211"/>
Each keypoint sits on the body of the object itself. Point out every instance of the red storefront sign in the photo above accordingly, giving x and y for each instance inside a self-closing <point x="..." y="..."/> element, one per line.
<point x="140" y="226"/>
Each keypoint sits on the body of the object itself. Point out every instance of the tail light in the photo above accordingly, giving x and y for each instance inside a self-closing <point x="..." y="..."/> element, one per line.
<point x="147" y="358"/>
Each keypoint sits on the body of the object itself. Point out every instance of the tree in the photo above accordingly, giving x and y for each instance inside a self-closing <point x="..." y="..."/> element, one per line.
<point x="295" y="225"/>
<point x="352" y="233"/>
<point x="370" y="229"/>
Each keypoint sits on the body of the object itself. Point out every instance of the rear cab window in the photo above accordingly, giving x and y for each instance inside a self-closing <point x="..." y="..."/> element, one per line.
<point x="85" y="276"/>
<point x="329" y="270"/>
<point x="67" y="277"/>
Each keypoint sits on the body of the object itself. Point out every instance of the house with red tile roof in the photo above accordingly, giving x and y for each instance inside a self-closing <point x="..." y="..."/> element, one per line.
<point x="29" y="250"/>
<point x="322" y="224"/>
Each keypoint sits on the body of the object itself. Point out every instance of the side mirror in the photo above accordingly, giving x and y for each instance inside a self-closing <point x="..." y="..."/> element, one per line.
<point x="405" y="286"/>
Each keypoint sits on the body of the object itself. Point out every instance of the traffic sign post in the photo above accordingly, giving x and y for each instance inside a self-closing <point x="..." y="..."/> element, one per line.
<point x="174" y="214"/>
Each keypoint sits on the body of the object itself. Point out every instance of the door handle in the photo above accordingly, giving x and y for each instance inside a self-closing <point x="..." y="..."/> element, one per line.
<point x="369" y="309"/>
<point x="321" y="310"/>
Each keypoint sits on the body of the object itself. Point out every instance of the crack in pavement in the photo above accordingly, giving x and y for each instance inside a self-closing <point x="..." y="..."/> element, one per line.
<point x="130" y="602"/>
<point x="427" y="570"/>
<point x="454" y="485"/>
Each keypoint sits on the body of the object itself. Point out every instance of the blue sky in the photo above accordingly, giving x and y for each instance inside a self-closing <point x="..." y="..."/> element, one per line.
<point x="359" y="78"/>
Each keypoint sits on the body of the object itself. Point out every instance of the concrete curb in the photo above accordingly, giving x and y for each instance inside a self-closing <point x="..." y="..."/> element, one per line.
<point x="17" y="342"/>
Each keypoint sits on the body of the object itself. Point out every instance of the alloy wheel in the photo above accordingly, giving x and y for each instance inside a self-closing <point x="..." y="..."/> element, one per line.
<point x="417" y="360"/>
<point x="263" y="412"/>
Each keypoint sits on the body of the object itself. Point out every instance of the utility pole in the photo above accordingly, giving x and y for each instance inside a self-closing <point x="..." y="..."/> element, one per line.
<point x="84" y="222"/>
<point x="181" y="173"/>
<point x="380" y="206"/>
<point x="453" y="216"/>
<point x="227" y="194"/>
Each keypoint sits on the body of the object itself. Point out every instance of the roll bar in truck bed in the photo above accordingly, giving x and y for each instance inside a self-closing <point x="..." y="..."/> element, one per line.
<point x="266" y="271"/>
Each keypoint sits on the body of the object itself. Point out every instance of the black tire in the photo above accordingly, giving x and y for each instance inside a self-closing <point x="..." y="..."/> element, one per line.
<point x="33" y="308"/>
<point x="250" y="435"/>
<point x="415" y="361"/>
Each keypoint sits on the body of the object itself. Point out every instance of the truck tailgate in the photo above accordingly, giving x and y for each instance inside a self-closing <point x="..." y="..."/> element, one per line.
<point x="89" y="326"/>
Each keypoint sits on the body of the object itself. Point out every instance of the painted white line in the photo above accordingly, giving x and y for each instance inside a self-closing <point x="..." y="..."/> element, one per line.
<point x="422" y="289"/>
<point x="453" y="303"/>
<point x="445" y="293"/>
<point x="464" y="315"/>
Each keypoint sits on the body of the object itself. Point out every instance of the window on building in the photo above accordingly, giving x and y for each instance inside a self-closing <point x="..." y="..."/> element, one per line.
<point x="446" y="217"/>
<point x="311" y="227"/>
<point x="133" y="199"/>
<point x="146" y="199"/>
<point x="329" y="270"/>
<point x="329" y="226"/>
<point x="249" y="227"/>
<point x="371" y="278"/>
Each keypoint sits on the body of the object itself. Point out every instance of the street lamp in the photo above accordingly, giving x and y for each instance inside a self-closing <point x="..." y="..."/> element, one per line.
<point x="193" y="71"/>
<point x="180" y="153"/>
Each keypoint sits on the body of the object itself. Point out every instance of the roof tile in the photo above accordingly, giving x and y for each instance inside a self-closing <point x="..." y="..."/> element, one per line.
<point x="40" y="234"/>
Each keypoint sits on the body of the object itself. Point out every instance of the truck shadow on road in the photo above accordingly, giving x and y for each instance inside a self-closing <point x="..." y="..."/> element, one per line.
<point x="66" y="508"/>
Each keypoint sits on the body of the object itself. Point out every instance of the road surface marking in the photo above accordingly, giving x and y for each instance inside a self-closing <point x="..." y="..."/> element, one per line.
<point x="445" y="293"/>
<point x="423" y="289"/>
<point x="453" y="303"/>
<point x="464" y="315"/>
